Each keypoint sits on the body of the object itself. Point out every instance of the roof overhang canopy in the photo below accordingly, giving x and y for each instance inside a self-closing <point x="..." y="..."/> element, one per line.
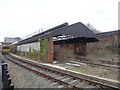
<point x="77" y="31"/>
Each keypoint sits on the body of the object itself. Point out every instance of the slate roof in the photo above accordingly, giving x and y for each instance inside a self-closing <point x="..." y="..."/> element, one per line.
<point x="77" y="30"/>
<point x="108" y="34"/>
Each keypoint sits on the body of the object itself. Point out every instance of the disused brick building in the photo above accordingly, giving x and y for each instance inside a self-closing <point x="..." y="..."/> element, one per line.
<point x="64" y="41"/>
<point x="108" y="42"/>
<point x="73" y="43"/>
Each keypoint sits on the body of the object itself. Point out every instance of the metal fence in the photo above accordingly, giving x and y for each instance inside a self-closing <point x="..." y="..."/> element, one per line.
<point x="34" y="33"/>
<point x="6" y="80"/>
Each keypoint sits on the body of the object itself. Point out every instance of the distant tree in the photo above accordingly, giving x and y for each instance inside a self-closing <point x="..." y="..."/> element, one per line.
<point x="92" y="28"/>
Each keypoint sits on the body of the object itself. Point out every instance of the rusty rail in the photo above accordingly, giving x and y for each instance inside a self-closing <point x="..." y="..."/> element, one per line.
<point x="66" y="84"/>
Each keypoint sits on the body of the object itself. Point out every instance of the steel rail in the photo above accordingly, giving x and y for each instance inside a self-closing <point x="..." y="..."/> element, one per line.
<point x="101" y="85"/>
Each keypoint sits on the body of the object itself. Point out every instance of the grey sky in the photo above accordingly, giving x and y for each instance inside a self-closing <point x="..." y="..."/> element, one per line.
<point x="19" y="18"/>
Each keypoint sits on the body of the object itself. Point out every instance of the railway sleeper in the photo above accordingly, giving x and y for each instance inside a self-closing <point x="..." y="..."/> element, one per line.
<point x="54" y="84"/>
<point x="67" y="79"/>
<point x="61" y="86"/>
<point x="82" y="84"/>
<point x="74" y="82"/>
<point x="60" y="77"/>
<point x="50" y="74"/>
<point x="43" y="72"/>
<point x="54" y="75"/>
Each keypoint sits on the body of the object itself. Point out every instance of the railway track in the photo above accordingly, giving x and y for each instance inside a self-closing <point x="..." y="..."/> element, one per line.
<point x="106" y="66"/>
<point x="62" y="79"/>
<point x="104" y="61"/>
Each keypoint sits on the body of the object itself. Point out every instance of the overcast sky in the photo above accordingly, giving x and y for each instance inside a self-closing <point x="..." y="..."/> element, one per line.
<point x="19" y="18"/>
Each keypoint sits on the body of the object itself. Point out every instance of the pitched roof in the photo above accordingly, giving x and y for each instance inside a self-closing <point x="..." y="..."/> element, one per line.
<point x="77" y="30"/>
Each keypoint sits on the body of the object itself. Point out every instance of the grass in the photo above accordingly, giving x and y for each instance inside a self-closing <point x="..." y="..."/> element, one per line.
<point x="109" y="74"/>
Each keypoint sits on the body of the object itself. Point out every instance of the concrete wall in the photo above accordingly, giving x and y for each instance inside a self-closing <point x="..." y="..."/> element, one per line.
<point x="25" y="47"/>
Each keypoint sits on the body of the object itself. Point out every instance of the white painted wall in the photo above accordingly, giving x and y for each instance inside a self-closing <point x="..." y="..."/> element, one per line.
<point x="25" y="47"/>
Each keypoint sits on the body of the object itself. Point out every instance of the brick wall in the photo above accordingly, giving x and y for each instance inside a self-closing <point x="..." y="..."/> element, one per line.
<point x="50" y="50"/>
<point x="69" y="51"/>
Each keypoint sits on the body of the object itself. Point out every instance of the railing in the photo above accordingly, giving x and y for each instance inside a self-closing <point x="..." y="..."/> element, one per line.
<point x="6" y="80"/>
<point x="32" y="34"/>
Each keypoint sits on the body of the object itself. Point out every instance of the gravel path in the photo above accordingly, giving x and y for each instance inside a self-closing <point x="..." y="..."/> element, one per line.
<point x="22" y="78"/>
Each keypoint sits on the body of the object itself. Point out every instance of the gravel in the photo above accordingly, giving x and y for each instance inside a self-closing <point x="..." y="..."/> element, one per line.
<point x="22" y="78"/>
